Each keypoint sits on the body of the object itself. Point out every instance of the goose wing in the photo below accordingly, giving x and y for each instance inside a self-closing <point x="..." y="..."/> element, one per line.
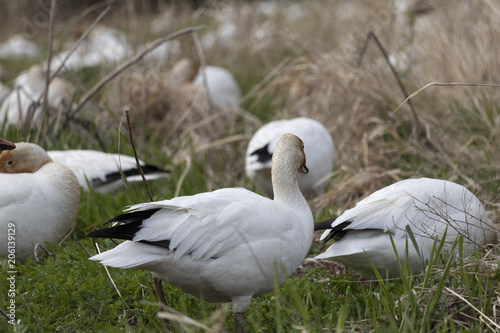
<point x="206" y="225"/>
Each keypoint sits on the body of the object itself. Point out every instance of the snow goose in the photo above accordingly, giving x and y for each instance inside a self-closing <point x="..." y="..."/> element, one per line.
<point x="103" y="171"/>
<point x="221" y="246"/>
<point x="39" y="200"/>
<point x="223" y="89"/>
<point x="19" y="106"/>
<point x="102" y="46"/>
<point x="319" y="150"/>
<point x="430" y="207"/>
<point x="6" y="145"/>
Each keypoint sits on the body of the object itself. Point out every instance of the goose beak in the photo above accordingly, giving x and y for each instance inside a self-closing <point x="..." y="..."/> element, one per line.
<point x="6" y="145"/>
<point x="304" y="169"/>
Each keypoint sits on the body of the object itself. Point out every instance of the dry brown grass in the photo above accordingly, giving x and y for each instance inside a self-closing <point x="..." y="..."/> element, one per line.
<point x="456" y="42"/>
<point x="461" y="139"/>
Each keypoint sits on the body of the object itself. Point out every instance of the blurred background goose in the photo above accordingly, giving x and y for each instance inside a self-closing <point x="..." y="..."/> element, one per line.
<point x="223" y="89"/>
<point x="319" y="150"/>
<point x="221" y="246"/>
<point x="20" y="106"/>
<point x="429" y="207"/>
<point x="39" y="199"/>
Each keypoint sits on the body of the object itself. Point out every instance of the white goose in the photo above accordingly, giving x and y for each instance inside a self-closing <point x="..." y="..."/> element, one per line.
<point x="20" y="105"/>
<point x="103" y="171"/>
<point x="430" y="207"/>
<point x="319" y="150"/>
<point x="223" y="89"/>
<point x="6" y="145"/>
<point x="221" y="246"/>
<point x="39" y="200"/>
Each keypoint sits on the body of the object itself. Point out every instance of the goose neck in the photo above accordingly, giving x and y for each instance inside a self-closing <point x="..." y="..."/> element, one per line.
<point x="286" y="187"/>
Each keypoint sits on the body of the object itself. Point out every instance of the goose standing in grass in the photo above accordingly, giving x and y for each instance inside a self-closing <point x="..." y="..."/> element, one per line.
<point x="430" y="207"/>
<point x="103" y="171"/>
<point x="6" y="145"/>
<point x="319" y="150"/>
<point x="229" y="245"/>
<point x="39" y="200"/>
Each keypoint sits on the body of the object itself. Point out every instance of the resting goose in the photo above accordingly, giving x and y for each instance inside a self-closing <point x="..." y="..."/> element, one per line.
<point x="103" y="171"/>
<point x="430" y="207"/>
<point x="39" y="200"/>
<point x="222" y="246"/>
<point x="319" y="150"/>
<point x="223" y="89"/>
<point x="6" y="145"/>
<point x="20" y="105"/>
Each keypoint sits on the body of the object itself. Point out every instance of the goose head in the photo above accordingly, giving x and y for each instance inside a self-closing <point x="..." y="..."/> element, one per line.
<point x="6" y="145"/>
<point x="288" y="160"/>
<point x="26" y="158"/>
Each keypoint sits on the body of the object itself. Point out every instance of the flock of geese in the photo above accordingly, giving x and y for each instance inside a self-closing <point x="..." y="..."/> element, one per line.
<point x="229" y="245"/>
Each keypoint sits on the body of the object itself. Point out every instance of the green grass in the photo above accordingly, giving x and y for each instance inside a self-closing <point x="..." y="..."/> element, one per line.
<point x="66" y="292"/>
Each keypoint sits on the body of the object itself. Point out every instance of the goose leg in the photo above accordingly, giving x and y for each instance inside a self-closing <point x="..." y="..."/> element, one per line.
<point x="161" y="297"/>
<point x="239" y="321"/>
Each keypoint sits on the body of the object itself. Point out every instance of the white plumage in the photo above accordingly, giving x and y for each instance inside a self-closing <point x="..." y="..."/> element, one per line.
<point x="104" y="170"/>
<point x="319" y="149"/>
<point x="102" y="46"/>
<point x="428" y="206"/>
<point x="223" y="89"/>
<point x="39" y="199"/>
<point x="221" y="246"/>
<point x="20" y="105"/>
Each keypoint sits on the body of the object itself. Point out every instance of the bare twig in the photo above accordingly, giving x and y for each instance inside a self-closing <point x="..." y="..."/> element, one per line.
<point x="92" y="8"/>
<point x="372" y="35"/>
<point x="67" y="235"/>
<point x="446" y="84"/>
<point x="4" y="314"/>
<point x="45" y="93"/>
<point x="264" y="81"/>
<point x="156" y="281"/>
<point x="129" y="63"/>
<point x="107" y="271"/>
<point x="35" y="253"/>
<point x="183" y="175"/>
<point x="78" y="42"/>
<point x="203" y="67"/>
<point x="131" y="138"/>
<point x="83" y="247"/>
<point x="497" y="326"/>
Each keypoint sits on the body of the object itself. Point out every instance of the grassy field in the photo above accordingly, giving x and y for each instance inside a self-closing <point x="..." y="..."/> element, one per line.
<point x="288" y="64"/>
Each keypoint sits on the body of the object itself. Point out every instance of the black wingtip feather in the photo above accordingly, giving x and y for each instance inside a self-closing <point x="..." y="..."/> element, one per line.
<point x="323" y="225"/>
<point x="336" y="232"/>
<point x="122" y="231"/>
<point x="130" y="223"/>
<point x="115" y="176"/>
